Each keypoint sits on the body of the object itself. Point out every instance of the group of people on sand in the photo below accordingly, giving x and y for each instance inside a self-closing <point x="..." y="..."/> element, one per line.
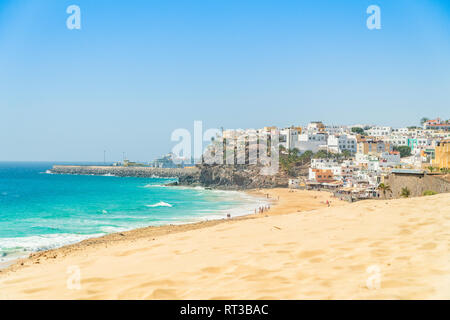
<point x="263" y="209"/>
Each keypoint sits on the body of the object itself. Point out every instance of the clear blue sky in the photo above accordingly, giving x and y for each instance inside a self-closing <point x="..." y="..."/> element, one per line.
<point x="137" y="70"/>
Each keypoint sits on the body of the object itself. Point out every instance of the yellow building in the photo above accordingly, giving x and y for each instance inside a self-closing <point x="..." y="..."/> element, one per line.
<point x="372" y="147"/>
<point x="442" y="155"/>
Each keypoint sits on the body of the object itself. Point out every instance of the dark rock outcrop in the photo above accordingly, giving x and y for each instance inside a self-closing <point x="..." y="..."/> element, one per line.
<point x="238" y="177"/>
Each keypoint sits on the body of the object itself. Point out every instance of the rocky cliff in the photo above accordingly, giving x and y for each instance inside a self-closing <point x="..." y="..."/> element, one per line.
<point x="238" y="177"/>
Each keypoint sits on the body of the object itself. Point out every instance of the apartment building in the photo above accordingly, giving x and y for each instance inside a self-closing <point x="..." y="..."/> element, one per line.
<point x="335" y="129"/>
<point x="339" y="143"/>
<point x="373" y="147"/>
<point x="289" y="137"/>
<point x="437" y="124"/>
<point x="379" y="131"/>
<point x="398" y="140"/>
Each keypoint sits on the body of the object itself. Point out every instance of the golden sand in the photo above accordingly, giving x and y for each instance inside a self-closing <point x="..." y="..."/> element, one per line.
<point x="377" y="249"/>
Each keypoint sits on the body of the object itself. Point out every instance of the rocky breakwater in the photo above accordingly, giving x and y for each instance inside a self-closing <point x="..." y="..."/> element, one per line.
<point x="186" y="174"/>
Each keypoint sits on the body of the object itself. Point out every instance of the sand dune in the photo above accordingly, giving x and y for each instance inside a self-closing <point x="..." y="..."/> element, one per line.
<point x="398" y="249"/>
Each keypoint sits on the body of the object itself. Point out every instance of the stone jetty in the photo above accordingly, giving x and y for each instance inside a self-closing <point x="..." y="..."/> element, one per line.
<point x="191" y="173"/>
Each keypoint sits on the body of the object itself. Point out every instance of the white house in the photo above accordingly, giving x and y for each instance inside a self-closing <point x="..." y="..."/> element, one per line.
<point x="334" y="129"/>
<point x="289" y="137"/>
<point x="398" y="140"/>
<point x="311" y="141"/>
<point x="390" y="159"/>
<point x="379" y="131"/>
<point x="339" y="143"/>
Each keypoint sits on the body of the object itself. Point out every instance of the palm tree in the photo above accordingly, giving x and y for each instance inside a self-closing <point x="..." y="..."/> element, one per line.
<point x="346" y="154"/>
<point x="431" y="168"/>
<point x="405" y="192"/>
<point x="444" y="170"/>
<point x="423" y="120"/>
<point x="384" y="188"/>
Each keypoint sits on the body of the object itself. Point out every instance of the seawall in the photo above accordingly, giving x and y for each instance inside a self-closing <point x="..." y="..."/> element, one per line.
<point x="140" y="172"/>
<point x="417" y="184"/>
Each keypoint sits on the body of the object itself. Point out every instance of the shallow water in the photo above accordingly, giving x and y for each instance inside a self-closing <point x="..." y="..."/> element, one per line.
<point x="40" y="211"/>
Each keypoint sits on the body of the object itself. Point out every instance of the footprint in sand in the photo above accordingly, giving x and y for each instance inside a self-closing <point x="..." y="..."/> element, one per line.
<point x="310" y="253"/>
<point x="428" y="246"/>
<point x="405" y="232"/>
<point x="163" y="294"/>
<point x="214" y="270"/>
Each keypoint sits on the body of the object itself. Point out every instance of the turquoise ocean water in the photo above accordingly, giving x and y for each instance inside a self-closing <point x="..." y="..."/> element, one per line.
<point x="40" y="211"/>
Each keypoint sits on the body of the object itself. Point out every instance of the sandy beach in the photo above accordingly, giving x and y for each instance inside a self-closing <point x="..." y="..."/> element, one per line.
<point x="300" y="249"/>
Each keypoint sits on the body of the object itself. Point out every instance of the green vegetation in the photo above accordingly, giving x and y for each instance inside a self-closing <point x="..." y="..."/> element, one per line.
<point x="358" y="130"/>
<point x="431" y="169"/>
<point x="429" y="193"/>
<point x="346" y="154"/>
<point x="322" y="154"/>
<point x="405" y="192"/>
<point x="405" y="151"/>
<point x="291" y="159"/>
<point x="423" y="120"/>
<point x="384" y="188"/>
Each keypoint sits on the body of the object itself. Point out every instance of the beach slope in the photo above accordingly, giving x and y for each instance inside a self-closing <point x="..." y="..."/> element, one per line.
<point x="397" y="249"/>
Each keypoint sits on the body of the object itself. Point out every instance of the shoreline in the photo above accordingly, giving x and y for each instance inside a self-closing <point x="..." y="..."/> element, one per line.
<point x="276" y="208"/>
<point x="321" y="253"/>
<point x="242" y="210"/>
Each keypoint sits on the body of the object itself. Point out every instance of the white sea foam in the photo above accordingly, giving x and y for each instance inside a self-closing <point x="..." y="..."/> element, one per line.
<point x="110" y="229"/>
<point x="160" y="204"/>
<point x="12" y="248"/>
<point x="154" y="186"/>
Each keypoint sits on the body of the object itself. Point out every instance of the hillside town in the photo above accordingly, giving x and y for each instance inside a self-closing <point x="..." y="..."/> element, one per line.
<point x="355" y="160"/>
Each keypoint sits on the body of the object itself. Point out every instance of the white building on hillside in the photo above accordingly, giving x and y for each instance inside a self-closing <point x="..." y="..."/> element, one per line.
<point x="379" y="131"/>
<point x="289" y="137"/>
<point x="390" y="159"/>
<point x="333" y="129"/>
<point x="401" y="131"/>
<point x="323" y="163"/>
<point x="339" y="143"/>
<point x="398" y="140"/>
<point x="312" y="142"/>
<point x="315" y="127"/>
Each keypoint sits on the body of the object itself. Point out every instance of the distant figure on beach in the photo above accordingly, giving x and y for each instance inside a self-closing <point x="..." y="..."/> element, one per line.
<point x="228" y="216"/>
